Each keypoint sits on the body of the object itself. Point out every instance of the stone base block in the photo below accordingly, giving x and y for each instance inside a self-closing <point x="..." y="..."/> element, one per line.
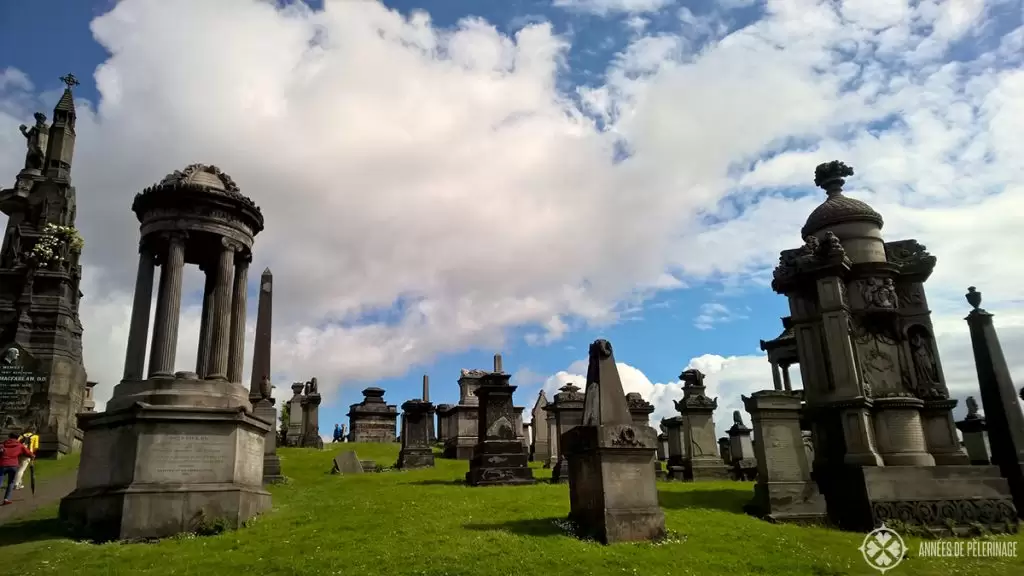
<point x="156" y="471"/>
<point x="613" y="526"/>
<point x="944" y="499"/>
<point x="459" y="448"/>
<point x="706" y="471"/>
<point x="659" y="472"/>
<point x="412" y="458"/>
<point x="560" y="472"/>
<point x="677" y="473"/>
<point x="498" y="463"/>
<point x="744" y="470"/>
<point x="788" y="502"/>
<point x="272" y="469"/>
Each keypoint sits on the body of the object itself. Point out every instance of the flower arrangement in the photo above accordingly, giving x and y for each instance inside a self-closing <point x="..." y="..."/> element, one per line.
<point x="49" y="249"/>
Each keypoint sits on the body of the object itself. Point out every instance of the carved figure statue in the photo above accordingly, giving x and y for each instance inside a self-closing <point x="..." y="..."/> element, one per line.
<point x="924" y="361"/>
<point x="11" y="356"/>
<point x="880" y="293"/>
<point x="311" y="387"/>
<point x="736" y="418"/>
<point x="44" y="212"/>
<point x="972" y="407"/>
<point x="811" y="245"/>
<point x="14" y="245"/>
<point x="265" y="388"/>
<point x="833" y="246"/>
<point x="36" y="142"/>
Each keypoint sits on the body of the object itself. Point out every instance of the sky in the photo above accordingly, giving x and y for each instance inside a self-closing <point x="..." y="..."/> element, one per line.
<point x="444" y="180"/>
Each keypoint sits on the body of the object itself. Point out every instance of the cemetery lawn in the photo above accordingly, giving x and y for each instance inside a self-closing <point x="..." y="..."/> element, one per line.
<point x="427" y="523"/>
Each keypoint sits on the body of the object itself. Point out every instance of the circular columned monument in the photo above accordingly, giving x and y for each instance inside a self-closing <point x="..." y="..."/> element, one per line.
<point x="176" y="448"/>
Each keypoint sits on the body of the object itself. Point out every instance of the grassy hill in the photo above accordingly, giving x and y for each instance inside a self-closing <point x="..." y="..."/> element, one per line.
<point x="427" y="523"/>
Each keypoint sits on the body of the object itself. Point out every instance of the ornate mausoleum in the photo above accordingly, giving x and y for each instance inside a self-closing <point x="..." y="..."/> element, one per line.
<point x="885" y="445"/>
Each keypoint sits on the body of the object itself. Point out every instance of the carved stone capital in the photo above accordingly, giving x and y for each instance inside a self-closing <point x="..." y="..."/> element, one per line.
<point x="231" y="245"/>
<point x="243" y="258"/>
<point x="175" y="236"/>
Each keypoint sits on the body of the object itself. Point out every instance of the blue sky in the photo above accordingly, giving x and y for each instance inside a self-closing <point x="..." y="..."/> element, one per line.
<point x="718" y="248"/>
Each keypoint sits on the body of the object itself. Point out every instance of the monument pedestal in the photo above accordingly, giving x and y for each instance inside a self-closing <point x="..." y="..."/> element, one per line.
<point x="499" y="463"/>
<point x="498" y="458"/>
<point x="417" y="421"/>
<point x="155" y="471"/>
<point x="264" y="410"/>
<point x="464" y="423"/>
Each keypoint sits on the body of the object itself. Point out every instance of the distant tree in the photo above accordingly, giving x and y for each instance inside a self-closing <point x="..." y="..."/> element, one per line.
<point x="284" y="420"/>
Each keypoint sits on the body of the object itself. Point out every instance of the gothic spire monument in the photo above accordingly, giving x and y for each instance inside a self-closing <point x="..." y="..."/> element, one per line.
<point x="44" y="384"/>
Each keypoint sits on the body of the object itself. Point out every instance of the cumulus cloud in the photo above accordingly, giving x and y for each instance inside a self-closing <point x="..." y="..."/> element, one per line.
<point x="605" y="7"/>
<point x="712" y="313"/>
<point x="427" y="189"/>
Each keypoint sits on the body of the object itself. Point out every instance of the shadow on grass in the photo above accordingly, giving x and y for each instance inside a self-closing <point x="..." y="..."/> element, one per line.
<point x="19" y="532"/>
<point x="530" y="527"/>
<point x="725" y="500"/>
<point x="439" y="483"/>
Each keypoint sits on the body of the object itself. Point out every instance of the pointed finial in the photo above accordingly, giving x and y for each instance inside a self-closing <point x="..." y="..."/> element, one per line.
<point x="266" y="272"/>
<point x="497" y="364"/>
<point x="70" y="80"/>
<point x="829" y="176"/>
<point x="973" y="297"/>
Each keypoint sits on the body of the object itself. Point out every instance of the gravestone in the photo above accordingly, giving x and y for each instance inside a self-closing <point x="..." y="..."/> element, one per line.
<point x="417" y="416"/>
<point x="19" y="377"/>
<point x="462" y="418"/>
<point x="701" y="460"/>
<point x="346" y="462"/>
<point x="541" y="446"/>
<point x="975" y="435"/>
<point x="725" y="450"/>
<point x="613" y="496"/>
<point x="676" y="447"/>
<point x="372" y="420"/>
<point x="741" y="449"/>
<point x="295" y="413"/>
<point x="498" y="457"/>
<point x="568" y="411"/>
<point x="311" y="417"/>
<point x="784" y="491"/>
<point x="641" y="411"/>
<point x="368" y="465"/>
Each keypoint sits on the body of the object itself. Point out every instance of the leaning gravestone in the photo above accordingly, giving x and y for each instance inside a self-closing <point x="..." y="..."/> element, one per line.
<point x="347" y="463"/>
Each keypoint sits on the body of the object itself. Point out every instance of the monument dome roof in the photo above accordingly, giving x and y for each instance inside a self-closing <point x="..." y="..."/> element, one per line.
<point x="838" y="207"/>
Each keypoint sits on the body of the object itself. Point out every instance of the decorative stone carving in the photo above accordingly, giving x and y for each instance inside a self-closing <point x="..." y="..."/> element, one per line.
<point x="910" y="255"/>
<point x="36" y="138"/>
<point x="996" y="514"/>
<point x="879" y="293"/>
<point x="311" y="387"/>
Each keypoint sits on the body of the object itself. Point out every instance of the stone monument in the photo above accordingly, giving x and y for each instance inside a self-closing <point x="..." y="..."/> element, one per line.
<point x="641" y="411"/>
<point x="462" y="424"/>
<point x="975" y="435"/>
<point x="443" y="422"/>
<point x="741" y="450"/>
<point x="311" y="417"/>
<point x="260" y="388"/>
<point x="89" y="403"/>
<point x="426" y="398"/>
<point x="417" y="417"/>
<point x="541" y="445"/>
<point x="1003" y="415"/>
<point x="40" y="277"/>
<point x="498" y="457"/>
<point x="295" y="414"/>
<point x="613" y="496"/>
<point x="173" y="449"/>
<point x="875" y="395"/>
<point x="784" y="491"/>
<point x="782" y="354"/>
<point x="676" y="447"/>
<point x="725" y="450"/>
<point x="372" y="420"/>
<point x="567" y="409"/>
<point x="701" y="460"/>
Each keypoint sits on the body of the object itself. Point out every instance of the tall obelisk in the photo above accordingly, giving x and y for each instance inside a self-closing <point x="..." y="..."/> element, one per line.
<point x="261" y="345"/>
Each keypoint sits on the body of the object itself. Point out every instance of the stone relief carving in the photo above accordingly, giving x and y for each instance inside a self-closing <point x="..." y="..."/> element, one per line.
<point x="936" y="512"/>
<point x="474" y="373"/>
<point x="909" y="254"/>
<point x="813" y="253"/>
<point x="879" y="293"/>
<point x="311" y="387"/>
<point x="910" y="295"/>
<point x="925" y="364"/>
<point x="626" y="438"/>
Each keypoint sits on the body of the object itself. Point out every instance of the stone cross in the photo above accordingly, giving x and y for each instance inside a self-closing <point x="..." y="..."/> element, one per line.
<point x="70" y="80"/>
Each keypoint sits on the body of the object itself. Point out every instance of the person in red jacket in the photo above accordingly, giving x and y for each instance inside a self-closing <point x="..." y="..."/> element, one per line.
<point x="10" y="453"/>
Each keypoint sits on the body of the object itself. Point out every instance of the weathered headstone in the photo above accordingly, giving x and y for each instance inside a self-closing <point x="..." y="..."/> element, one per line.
<point x="498" y="457"/>
<point x="741" y="449"/>
<point x="613" y="496"/>
<point x="676" y="447"/>
<point x="641" y="411"/>
<point x="975" y="435"/>
<point x="462" y="418"/>
<point x="568" y="411"/>
<point x="701" y="460"/>
<point x="346" y="462"/>
<point x="541" y="446"/>
<point x="295" y="415"/>
<point x="311" y="417"/>
<point x="416" y="452"/>
<point x="372" y="420"/>
<point x="183" y="447"/>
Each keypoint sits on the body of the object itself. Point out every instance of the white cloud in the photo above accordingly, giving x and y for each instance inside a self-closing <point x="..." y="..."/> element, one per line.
<point x="443" y="170"/>
<point x="605" y="7"/>
<point x="712" y="313"/>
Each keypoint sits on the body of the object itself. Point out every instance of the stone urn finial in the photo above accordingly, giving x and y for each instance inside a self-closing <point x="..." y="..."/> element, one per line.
<point x="973" y="297"/>
<point x="830" y="176"/>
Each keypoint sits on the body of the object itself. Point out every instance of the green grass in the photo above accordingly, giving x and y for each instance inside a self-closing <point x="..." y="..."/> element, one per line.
<point x="46" y="468"/>
<point x="426" y="523"/>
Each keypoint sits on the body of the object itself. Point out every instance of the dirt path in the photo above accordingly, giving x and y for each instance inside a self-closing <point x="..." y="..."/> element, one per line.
<point x="47" y="492"/>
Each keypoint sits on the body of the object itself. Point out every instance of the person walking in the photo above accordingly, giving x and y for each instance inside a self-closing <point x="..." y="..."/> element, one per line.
<point x="337" y="434"/>
<point x="31" y="441"/>
<point x="10" y="453"/>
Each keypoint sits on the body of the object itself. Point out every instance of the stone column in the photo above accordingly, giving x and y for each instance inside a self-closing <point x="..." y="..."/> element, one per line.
<point x="786" y="383"/>
<point x="135" y="358"/>
<point x="238" y="302"/>
<point x="426" y="388"/>
<point x="206" y="324"/>
<point x="553" y="449"/>
<point x="168" y="309"/>
<point x="1003" y="416"/>
<point x="221" y="340"/>
<point x="776" y="379"/>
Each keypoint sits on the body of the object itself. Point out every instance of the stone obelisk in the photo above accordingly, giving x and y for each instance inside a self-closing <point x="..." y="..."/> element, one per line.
<point x="261" y="345"/>
<point x="260" y="387"/>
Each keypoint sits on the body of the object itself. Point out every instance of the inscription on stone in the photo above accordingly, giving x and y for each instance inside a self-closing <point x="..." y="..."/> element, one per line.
<point x="17" y="383"/>
<point x="191" y="457"/>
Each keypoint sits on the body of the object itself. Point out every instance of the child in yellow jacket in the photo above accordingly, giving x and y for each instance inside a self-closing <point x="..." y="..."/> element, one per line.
<point x="31" y="441"/>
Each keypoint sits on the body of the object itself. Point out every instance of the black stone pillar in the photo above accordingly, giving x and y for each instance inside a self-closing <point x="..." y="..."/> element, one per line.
<point x="417" y="421"/>
<point x="205" y="324"/>
<point x="498" y="456"/>
<point x="1003" y="415"/>
<point x="238" y="302"/>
